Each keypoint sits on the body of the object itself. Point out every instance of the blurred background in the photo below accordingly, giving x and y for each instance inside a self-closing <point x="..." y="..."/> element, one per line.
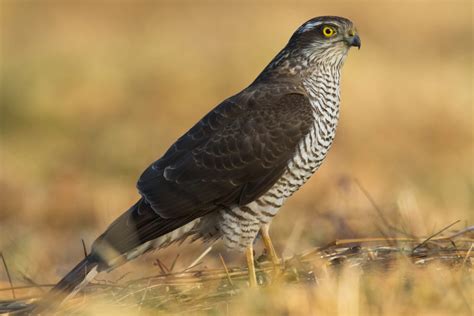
<point x="93" y="92"/>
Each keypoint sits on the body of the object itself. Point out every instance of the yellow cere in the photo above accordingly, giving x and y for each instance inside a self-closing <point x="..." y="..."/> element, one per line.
<point x="328" y="31"/>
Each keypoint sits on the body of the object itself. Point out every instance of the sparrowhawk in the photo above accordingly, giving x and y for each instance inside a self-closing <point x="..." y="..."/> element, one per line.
<point x="228" y="176"/>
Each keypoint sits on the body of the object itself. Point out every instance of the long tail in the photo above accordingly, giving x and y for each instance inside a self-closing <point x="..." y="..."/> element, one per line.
<point x="77" y="278"/>
<point x="72" y="283"/>
<point x="126" y="238"/>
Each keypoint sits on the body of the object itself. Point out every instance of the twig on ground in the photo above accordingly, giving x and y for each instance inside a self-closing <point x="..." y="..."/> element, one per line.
<point x="8" y="275"/>
<point x="226" y="270"/>
<point x="144" y="296"/>
<point x="434" y="235"/>
<point x="461" y="232"/>
<point x="84" y="248"/>
<point x="379" y="211"/>
<point x="162" y="266"/>
<point x="195" y="262"/>
<point x="174" y="262"/>
<point x="204" y="289"/>
<point x="468" y="253"/>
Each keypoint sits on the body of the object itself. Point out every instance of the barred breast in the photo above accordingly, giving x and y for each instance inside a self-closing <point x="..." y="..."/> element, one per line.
<point x="239" y="225"/>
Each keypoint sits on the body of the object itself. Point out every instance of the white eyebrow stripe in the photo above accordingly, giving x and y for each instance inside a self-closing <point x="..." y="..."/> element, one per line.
<point x="309" y="26"/>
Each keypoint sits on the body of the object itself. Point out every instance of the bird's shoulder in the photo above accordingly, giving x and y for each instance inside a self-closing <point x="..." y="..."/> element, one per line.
<point x="257" y="108"/>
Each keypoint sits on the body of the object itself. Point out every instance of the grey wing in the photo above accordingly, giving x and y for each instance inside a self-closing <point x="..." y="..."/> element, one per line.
<point x="232" y="156"/>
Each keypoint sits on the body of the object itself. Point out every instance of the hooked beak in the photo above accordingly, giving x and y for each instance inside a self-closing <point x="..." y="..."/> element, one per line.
<point x="353" y="39"/>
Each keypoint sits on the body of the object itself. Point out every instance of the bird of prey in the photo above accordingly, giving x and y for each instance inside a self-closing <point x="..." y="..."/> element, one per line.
<point x="228" y="176"/>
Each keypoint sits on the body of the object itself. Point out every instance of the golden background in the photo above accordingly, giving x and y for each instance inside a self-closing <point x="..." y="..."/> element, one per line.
<point x="93" y="92"/>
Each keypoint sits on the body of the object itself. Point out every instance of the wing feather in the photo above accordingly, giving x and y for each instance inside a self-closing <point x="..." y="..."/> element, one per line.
<point x="232" y="156"/>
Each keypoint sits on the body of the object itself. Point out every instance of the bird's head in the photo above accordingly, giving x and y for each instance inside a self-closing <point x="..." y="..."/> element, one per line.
<point x="320" y="43"/>
<point x="325" y="39"/>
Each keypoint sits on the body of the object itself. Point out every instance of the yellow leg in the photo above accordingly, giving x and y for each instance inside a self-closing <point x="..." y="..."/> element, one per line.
<point x="251" y="266"/>
<point x="269" y="246"/>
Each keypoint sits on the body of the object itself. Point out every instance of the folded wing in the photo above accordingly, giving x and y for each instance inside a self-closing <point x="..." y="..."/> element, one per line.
<point x="232" y="156"/>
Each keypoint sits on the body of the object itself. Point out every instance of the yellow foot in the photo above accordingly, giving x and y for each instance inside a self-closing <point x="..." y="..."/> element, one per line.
<point x="270" y="249"/>
<point x="251" y="266"/>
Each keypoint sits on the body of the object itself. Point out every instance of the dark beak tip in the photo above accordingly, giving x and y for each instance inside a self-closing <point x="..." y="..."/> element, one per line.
<point x="355" y="41"/>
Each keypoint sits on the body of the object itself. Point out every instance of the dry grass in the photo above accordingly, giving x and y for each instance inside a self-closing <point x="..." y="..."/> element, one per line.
<point x="91" y="93"/>
<point x="350" y="269"/>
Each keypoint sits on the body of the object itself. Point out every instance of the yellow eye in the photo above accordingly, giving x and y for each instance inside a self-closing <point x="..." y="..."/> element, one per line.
<point x="328" y="31"/>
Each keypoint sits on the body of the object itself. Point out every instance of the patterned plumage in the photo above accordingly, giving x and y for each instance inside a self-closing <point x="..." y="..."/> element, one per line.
<point x="230" y="173"/>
